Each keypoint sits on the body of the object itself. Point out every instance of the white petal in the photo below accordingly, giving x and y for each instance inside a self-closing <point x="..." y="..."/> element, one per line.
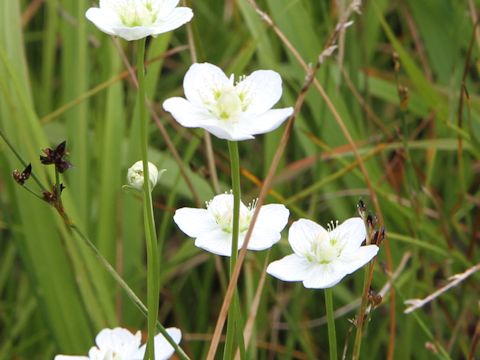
<point x="67" y="357"/>
<point x="104" y="20"/>
<point x="302" y="233"/>
<point x="119" y="340"/>
<point x="266" y="122"/>
<point x="354" y="260"/>
<point x="217" y="242"/>
<point x="290" y="268"/>
<point x="202" y="80"/>
<point x="322" y="276"/>
<point x="186" y="113"/>
<point x="263" y="239"/>
<point x="270" y="222"/>
<point x="194" y="222"/>
<point x="131" y="33"/>
<point x="165" y="7"/>
<point x="163" y="349"/>
<point x="189" y="115"/>
<point x="175" y="19"/>
<point x="351" y="232"/>
<point x="227" y="131"/>
<point x="273" y="216"/>
<point x="263" y="88"/>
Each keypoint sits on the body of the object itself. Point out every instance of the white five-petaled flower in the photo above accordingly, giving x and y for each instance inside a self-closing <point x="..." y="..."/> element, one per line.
<point x="212" y="227"/>
<point x="229" y="110"/>
<point x="137" y="19"/>
<point x="121" y="344"/>
<point x="322" y="257"/>
<point x="135" y="175"/>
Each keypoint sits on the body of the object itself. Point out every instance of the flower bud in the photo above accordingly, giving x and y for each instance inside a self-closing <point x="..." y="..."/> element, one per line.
<point x="135" y="175"/>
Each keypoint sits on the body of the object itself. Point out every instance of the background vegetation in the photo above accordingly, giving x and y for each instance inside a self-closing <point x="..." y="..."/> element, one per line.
<point x="415" y="126"/>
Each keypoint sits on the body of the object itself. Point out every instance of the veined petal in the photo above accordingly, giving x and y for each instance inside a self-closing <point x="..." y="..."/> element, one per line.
<point x="266" y="122"/>
<point x="263" y="238"/>
<point x="290" y="268"/>
<point x="217" y="242"/>
<point x="271" y="220"/>
<point x="322" y="276"/>
<point x="302" y="233"/>
<point x="67" y="357"/>
<point x="119" y="340"/>
<point x="351" y="233"/>
<point x="226" y="131"/>
<point x="262" y="89"/>
<point x="185" y="112"/>
<point x="103" y="19"/>
<point x="202" y="81"/>
<point x="273" y="216"/>
<point x="194" y="222"/>
<point x="353" y="260"/>
<point x="133" y="33"/>
<point x="163" y="350"/>
<point x="164" y="7"/>
<point x="176" y="18"/>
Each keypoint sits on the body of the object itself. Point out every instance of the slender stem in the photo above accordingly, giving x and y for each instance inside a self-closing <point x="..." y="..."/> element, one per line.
<point x="20" y="158"/>
<point x="361" y="313"/>
<point x="153" y="284"/>
<point x="332" y="337"/>
<point x="32" y="192"/>
<point x="58" y="190"/>
<point x="232" y="311"/>
<point x="130" y="293"/>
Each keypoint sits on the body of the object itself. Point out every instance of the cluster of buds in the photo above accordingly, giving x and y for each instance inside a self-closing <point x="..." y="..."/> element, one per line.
<point x="55" y="156"/>
<point x="374" y="236"/>
<point x="374" y="298"/>
<point x="21" y="177"/>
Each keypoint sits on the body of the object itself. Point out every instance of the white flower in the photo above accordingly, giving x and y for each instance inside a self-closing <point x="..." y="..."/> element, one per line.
<point x="137" y="19"/>
<point x="227" y="110"/>
<point x="212" y="227"/>
<point x="135" y="175"/>
<point x="323" y="257"/>
<point x="121" y="344"/>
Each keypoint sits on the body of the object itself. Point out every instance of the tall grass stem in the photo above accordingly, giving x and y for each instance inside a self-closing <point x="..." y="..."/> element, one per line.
<point x="332" y="336"/>
<point x="153" y="270"/>
<point x="233" y="311"/>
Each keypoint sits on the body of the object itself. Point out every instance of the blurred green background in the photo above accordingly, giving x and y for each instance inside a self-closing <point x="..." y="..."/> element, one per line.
<point x="62" y="79"/>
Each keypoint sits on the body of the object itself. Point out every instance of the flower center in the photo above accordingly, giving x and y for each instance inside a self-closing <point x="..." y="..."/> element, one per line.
<point x="324" y="249"/>
<point x="227" y="104"/>
<point x="136" y="12"/>
<point x="223" y="214"/>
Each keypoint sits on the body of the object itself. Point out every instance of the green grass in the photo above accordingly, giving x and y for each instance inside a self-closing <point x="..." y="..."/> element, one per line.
<point x="421" y="159"/>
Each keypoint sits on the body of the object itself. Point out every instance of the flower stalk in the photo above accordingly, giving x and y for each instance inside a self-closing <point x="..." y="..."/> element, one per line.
<point x="149" y="222"/>
<point x="332" y="337"/>
<point x="233" y="311"/>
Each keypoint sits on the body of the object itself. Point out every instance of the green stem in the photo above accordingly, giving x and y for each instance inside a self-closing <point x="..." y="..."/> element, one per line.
<point x="153" y="270"/>
<point x="332" y="337"/>
<point x="33" y="192"/>
<point x="232" y="311"/>
<point x="130" y="293"/>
